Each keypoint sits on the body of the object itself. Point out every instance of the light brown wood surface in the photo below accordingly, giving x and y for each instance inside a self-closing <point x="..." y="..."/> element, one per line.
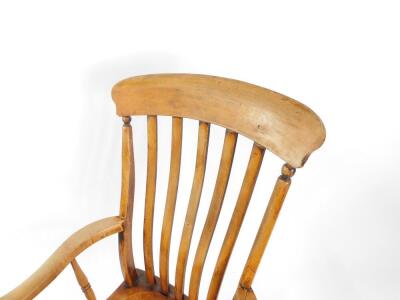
<point x="249" y="181"/>
<point x="126" y="204"/>
<point x="143" y="290"/>
<point x="221" y="183"/>
<point x="191" y="213"/>
<point x="267" y="225"/>
<point x="282" y="125"/>
<point x="174" y="171"/>
<point x="57" y="262"/>
<point x="274" y="122"/>
<point x="150" y="197"/>
<point x="83" y="281"/>
<point x="244" y="294"/>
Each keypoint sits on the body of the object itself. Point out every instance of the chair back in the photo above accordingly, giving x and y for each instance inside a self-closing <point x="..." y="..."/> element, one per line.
<point x="273" y="121"/>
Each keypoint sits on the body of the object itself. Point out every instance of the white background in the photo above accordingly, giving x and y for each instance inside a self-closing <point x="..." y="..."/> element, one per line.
<point x="338" y="234"/>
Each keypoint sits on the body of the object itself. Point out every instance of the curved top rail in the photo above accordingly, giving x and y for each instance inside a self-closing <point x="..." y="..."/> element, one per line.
<point x="284" y="126"/>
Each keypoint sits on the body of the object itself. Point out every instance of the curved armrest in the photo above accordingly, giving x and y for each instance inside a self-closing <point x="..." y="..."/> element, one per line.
<point x="56" y="263"/>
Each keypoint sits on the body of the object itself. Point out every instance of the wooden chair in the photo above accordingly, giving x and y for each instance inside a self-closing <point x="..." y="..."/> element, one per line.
<point x="274" y="122"/>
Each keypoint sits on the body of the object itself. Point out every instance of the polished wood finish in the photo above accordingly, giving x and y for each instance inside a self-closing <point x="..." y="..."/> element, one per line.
<point x="174" y="171"/>
<point x="191" y="213"/>
<point x="143" y="290"/>
<point x="244" y="294"/>
<point x="267" y="225"/>
<point x="150" y="197"/>
<point x="57" y="262"/>
<point x="244" y="291"/>
<point x="273" y="121"/>
<point x="83" y="281"/>
<point x="221" y="183"/>
<point x="284" y="126"/>
<point x="126" y="204"/>
<point x="249" y="181"/>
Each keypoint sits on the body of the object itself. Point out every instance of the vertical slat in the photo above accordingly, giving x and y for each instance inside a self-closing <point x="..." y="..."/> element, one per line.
<point x="242" y="203"/>
<point x="83" y="281"/>
<point x="213" y="212"/>
<point x="191" y="213"/>
<point x="267" y="225"/>
<point x="150" y="197"/>
<point x="126" y="205"/>
<point x="176" y="148"/>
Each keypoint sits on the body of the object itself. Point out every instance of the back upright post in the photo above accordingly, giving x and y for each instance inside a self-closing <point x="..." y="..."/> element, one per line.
<point x="126" y="204"/>
<point x="244" y="291"/>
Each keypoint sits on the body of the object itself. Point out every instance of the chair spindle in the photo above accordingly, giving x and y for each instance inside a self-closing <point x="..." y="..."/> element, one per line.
<point x="221" y="183"/>
<point x="83" y="281"/>
<point x="191" y="213"/>
<point x="249" y="181"/>
<point x="150" y="197"/>
<point x="169" y="211"/>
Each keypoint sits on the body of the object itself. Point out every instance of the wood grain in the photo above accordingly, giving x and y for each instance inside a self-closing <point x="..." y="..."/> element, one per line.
<point x="126" y="204"/>
<point x="193" y="206"/>
<point x="284" y="126"/>
<point x="72" y="247"/>
<point x="244" y="294"/>
<point x="235" y="224"/>
<point x="273" y="121"/>
<point x="267" y="225"/>
<point x="83" y="281"/>
<point x="169" y="211"/>
<point x="143" y="290"/>
<point x="150" y="197"/>
<point x="221" y="183"/>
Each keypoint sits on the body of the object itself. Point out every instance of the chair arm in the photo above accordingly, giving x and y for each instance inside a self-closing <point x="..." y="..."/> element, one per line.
<point x="55" y="264"/>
